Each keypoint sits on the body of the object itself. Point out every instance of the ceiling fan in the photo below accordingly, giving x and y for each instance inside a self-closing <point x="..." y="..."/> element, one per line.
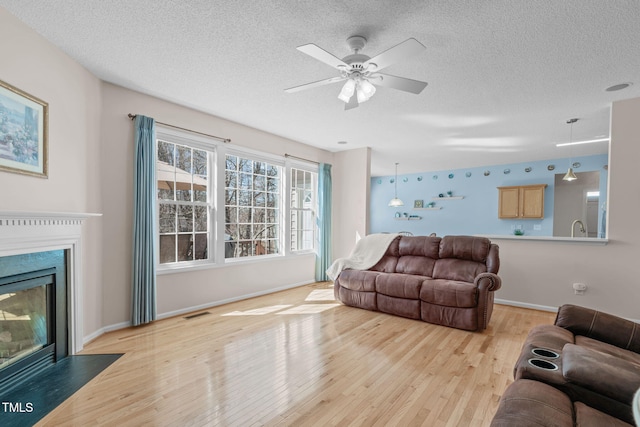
<point x="362" y="72"/>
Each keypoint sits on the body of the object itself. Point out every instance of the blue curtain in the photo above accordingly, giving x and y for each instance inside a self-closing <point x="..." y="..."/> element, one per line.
<point x="323" y="257"/>
<point x="144" y="230"/>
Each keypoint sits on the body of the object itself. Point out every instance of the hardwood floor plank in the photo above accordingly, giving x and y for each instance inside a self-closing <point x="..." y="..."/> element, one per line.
<point x="298" y="358"/>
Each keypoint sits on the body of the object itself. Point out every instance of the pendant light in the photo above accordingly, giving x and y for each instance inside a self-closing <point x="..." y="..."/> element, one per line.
<point x="570" y="176"/>
<point x="395" y="202"/>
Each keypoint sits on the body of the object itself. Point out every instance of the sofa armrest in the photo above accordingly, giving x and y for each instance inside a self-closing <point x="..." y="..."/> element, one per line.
<point x="600" y="326"/>
<point x="601" y="373"/>
<point x="488" y="281"/>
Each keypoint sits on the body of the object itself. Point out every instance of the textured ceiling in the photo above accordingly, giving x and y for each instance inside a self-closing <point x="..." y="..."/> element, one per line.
<point x="504" y="76"/>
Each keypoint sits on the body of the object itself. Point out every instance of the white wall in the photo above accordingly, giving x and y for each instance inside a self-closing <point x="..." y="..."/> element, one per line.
<point x="179" y="292"/>
<point x="33" y="65"/>
<point x="351" y="192"/>
<point x="542" y="272"/>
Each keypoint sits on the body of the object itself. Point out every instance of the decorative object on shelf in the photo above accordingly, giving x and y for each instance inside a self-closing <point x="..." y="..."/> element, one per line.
<point x="395" y="202"/>
<point x="487" y="173"/>
<point x="405" y="179"/>
<point x="405" y="214"/>
<point x="441" y="195"/>
<point x="449" y="193"/>
<point x="419" y="178"/>
<point x="418" y="203"/>
<point x="398" y="214"/>
<point x="468" y="174"/>
<point x="379" y="181"/>
<point x="26" y="132"/>
<point x="431" y="205"/>
<point x="518" y="232"/>
<point x="450" y="176"/>
<point x="551" y="167"/>
<point x="570" y="176"/>
<point x="409" y="218"/>
<point x="528" y="169"/>
<point x="435" y="177"/>
<point x="506" y="171"/>
<point x="576" y="165"/>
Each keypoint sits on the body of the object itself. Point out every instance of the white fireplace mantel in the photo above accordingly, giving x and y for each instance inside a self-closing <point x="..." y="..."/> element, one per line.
<point x="25" y="232"/>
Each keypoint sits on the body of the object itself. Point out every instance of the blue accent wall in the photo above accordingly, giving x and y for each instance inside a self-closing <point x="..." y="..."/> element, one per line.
<point x="477" y="212"/>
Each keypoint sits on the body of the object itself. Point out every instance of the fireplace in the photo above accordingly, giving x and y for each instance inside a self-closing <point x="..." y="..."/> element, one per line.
<point x="33" y="314"/>
<point x="40" y="291"/>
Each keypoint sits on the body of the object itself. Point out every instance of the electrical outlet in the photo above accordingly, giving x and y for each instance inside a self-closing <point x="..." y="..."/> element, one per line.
<point x="579" y="288"/>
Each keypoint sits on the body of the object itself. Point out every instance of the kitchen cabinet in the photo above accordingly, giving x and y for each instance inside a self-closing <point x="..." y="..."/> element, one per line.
<point x="521" y="202"/>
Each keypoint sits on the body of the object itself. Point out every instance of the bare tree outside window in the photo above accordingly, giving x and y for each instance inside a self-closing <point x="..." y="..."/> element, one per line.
<point x="252" y="201"/>
<point x="182" y="182"/>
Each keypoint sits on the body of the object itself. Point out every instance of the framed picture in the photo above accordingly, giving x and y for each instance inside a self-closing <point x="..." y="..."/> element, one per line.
<point x="23" y="132"/>
<point x="418" y="204"/>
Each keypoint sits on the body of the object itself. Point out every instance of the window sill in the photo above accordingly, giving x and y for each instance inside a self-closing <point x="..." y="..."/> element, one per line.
<point x="233" y="262"/>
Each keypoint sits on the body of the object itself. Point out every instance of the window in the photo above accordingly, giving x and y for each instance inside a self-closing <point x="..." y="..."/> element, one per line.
<point x="206" y="189"/>
<point x="252" y="207"/>
<point x="184" y="210"/>
<point x="303" y="210"/>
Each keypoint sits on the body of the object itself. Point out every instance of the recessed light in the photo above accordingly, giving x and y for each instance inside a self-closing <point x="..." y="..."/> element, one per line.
<point x="618" y="87"/>
<point x="342" y="142"/>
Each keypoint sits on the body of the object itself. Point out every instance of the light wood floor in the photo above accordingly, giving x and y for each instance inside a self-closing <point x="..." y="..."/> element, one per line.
<point x="299" y="358"/>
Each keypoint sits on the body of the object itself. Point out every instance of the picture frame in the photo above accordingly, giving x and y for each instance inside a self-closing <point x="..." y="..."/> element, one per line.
<point x="24" y="135"/>
<point x="418" y="204"/>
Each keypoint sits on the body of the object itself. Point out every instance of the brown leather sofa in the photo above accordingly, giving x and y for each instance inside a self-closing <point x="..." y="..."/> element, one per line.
<point x="591" y="357"/>
<point x="446" y="281"/>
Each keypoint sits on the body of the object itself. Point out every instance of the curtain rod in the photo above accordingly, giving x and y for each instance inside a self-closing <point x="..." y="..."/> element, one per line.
<point x="301" y="158"/>
<point x="225" y="140"/>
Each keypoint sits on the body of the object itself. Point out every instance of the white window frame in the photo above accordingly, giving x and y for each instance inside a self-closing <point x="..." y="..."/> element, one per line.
<point x="200" y="143"/>
<point x="216" y="200"/>
<point x="313" y="169"/>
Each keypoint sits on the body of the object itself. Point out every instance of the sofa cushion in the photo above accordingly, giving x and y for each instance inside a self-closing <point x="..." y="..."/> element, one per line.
<point x="586" y="416"/>
<point x="603" y="347"/>
<point x="457" y="269"/>
<point x="412" y="264"/>
<point x="398" y="306"/>
<point x="450" y="293"/>
<point x="423" y="246"/>
<point x="399" y="285"/>
<point x="528" y="403"/>
<point x="358" y="280"/>
<point x="465" y="247"/>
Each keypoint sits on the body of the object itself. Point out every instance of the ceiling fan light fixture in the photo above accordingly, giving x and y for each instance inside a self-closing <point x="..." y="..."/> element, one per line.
<point x="365" y="90"/>
<point x="347" y="90"/>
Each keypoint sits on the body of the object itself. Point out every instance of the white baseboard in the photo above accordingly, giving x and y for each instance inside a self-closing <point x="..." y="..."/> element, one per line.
<point x="526" y="305"/>
<point x="229" y="300"/>
<point x="104" y="330"/>
<point x="122" y="325"/>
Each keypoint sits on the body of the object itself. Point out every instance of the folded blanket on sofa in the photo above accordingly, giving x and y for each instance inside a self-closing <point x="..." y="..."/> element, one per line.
<point x="368" y="251"/>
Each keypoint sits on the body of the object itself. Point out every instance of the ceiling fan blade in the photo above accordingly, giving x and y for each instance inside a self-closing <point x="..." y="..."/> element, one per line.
<point x="315" y="84"/>
<point x="400" y="83"/>
<point x="322" y="55"/>
<point x="353" y="103"/>
<point x="390" y="56"/>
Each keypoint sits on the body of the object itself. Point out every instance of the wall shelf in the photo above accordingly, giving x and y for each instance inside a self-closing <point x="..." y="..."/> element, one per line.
<point x="415" y="218"/>
<point x="435" y="208"/>
<point x="449" y="198"/>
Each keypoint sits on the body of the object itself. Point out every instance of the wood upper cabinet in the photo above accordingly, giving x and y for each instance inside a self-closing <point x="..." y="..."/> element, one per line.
<point x="523" y="201"/>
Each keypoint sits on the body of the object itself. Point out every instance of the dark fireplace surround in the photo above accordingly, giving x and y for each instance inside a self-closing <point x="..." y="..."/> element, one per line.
<point x="33" y="314"/>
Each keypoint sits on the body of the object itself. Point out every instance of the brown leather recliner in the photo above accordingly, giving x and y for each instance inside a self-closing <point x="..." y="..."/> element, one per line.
<point x="447" y="281"/>
<point x="591" y="356"/>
